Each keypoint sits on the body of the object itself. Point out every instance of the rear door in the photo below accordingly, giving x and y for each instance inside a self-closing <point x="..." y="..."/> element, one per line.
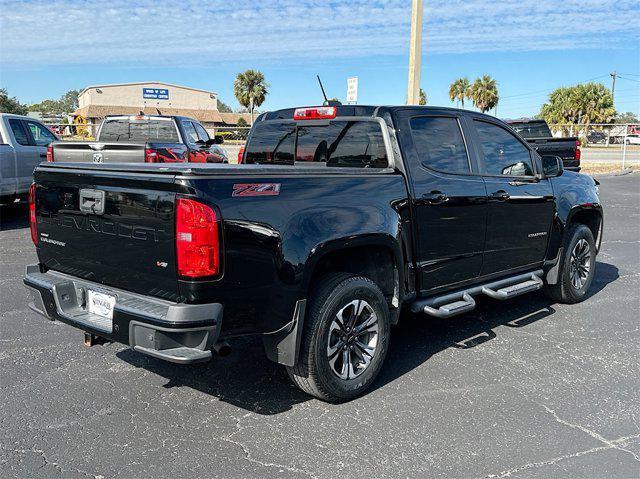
<point x="521" y="203"/>
<point x="449" y="198"/>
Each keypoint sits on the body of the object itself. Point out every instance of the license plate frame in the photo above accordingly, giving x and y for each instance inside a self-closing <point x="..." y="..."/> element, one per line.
<point x="101" y="304"/>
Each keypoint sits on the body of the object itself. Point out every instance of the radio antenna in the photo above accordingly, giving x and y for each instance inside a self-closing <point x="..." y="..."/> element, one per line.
<point x="326" y="100"/>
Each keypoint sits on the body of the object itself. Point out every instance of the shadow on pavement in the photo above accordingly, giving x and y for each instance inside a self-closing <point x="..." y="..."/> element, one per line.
<point x="248" y="380"/>
<point x="14" y="216"/>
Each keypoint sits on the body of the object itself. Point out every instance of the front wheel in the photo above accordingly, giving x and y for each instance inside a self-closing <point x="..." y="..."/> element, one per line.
<point x="345" y="338"/>
<point x="577" y="266"/>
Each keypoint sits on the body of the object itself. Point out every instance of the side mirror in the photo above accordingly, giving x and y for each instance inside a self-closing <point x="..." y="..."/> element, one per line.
<point x="552" y="165"/>
<point x="218" y="140"/>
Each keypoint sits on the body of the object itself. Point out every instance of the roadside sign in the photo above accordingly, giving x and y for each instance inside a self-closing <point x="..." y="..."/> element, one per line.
<point x="155" y="93"/>
<point x="352" y="90"/>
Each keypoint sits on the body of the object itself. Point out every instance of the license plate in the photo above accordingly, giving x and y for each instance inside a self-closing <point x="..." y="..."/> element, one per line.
<point x="101" y="304"/>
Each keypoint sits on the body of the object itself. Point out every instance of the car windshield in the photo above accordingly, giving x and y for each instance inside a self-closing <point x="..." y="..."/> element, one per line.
<point x="126" y="129"/>
<point x="532" y="130"/>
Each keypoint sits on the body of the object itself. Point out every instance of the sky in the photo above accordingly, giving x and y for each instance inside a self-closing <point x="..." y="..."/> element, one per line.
<point x="530" y="47"/>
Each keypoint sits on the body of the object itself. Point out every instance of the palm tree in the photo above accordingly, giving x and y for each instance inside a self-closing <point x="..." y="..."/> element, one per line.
<point x="250" y="89"/>
<point x="459" y="90"/>
<point x="484" y="93"/>
<point x="423" y="98"/>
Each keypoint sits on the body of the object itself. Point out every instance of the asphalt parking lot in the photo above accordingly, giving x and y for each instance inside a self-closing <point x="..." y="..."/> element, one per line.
<point x="519" y="389"/>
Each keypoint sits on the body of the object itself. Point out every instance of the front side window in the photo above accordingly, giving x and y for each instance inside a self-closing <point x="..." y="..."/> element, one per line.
<point x="190" y="132"/>
<point x="504" y="155"/>
<point x="41" y="135"/>
<point x="19" y="132"/>
<point x="202" y="133"/>
<point x="355" y="144"/>
<point x="439" y="144"/>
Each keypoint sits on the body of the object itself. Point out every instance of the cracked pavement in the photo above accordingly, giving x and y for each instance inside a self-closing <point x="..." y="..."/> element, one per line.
<point x="519" y="389"/>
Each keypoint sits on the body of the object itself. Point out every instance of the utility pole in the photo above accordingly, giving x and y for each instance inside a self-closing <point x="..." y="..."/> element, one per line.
<point x="613" y="86"/>
<point x="613" y="100"/>
<point x="415" y="53"/>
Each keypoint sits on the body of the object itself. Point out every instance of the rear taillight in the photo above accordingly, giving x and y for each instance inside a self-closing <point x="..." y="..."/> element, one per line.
<point x="50" y="153"/>
<point x="315" y="113"/>
<point x="32" y="214"/>
<point x="240" y="154"/>
<point x="150" y="155"/>
<point x="577" y="153"/>
<point x="197" y="239"/>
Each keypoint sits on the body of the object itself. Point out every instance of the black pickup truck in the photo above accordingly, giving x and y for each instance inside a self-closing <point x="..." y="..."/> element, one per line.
<point x="538" y="134"/>
<point x="337" y="219"/>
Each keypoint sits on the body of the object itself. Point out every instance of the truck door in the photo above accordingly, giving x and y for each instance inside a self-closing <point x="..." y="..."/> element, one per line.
<point x="521" y="203"/>
<point x="449" y="198"/>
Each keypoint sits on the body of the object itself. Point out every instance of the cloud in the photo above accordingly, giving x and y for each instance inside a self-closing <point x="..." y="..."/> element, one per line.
<point x="199" y="32"/>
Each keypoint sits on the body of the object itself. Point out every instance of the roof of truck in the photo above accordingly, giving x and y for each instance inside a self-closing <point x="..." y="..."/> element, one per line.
<point x="363" y="110"/>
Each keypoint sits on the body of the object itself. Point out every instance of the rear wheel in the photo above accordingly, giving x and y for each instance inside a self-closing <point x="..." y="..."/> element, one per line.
<point x="345" y="339"/>
<point x="577" y="266"/>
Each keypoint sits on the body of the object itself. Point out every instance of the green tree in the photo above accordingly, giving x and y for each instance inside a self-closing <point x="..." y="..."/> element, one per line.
<point x="242" y="122"/>
<point x="484" y="93"/>
<point x="459" y="90"/>
<point x="423" y="97"/>
<point x="580" y="104"/>
<point x="223" y="107"/>
<point x="66" y="104"/>
<point x="628" y="117"/>
<point x="250" y="89"/>
<point x="11" y="105"/>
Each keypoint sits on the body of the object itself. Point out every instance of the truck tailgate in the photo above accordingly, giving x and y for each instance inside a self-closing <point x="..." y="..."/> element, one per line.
<point x="129" y="246"/>
<point x="96" y="152"/>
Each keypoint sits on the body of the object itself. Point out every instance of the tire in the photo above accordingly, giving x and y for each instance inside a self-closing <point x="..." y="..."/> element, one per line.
<point x="319" y="367"/>
<point x="567" y="290"/>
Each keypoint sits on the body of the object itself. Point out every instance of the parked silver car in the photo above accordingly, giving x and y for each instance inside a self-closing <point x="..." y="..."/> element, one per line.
<point x="23" y="145"/>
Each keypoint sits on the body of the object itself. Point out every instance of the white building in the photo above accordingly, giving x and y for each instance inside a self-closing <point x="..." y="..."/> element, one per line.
<point x="153" y="98"/>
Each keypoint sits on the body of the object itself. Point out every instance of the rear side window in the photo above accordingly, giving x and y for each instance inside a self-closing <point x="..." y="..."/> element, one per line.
<point x="138" y="130"/>
<point x="504" y="155"/>
<point x="439" y="144"/>
<point x="355" y="144"/>
<point x="19" y="132"/>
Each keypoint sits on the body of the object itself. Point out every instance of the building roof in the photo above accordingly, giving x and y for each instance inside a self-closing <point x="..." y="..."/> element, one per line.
<point x="205" y="116"/>
<point x="147" y="83"/>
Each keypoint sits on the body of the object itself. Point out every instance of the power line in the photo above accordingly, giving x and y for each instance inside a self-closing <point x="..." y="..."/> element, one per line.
<point x="548" y="90"/>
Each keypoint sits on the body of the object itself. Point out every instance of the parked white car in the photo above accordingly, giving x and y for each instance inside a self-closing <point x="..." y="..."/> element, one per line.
<point x="23" y="145"/>
<point x="633" y="139"/>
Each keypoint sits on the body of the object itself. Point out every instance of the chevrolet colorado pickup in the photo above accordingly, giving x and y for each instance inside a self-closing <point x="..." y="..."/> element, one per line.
<point x="337" y="218"/>
<point x="538" y="134"/>
<point x="143" y="139"/>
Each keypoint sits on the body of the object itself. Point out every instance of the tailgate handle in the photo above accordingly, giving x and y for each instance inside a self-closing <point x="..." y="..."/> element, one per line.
<point x="92" y="201"/>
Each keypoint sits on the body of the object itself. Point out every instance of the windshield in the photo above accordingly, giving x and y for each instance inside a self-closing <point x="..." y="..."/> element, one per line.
<point x="532" y="130"/>
<point x="126" y="129"/>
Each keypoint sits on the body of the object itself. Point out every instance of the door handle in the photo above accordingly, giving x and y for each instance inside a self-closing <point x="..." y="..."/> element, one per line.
<point x="436" y="197"/>
<point x="499" y="195"/>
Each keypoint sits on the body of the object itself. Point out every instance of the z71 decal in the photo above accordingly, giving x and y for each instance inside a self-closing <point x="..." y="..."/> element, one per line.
<point x="256" y="189"/>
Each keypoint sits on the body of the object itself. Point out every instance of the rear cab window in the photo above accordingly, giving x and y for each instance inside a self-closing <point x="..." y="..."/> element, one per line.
<point x="19" y="133"/>
<point x="336" y="143"/>
<point x="141" y="129"/>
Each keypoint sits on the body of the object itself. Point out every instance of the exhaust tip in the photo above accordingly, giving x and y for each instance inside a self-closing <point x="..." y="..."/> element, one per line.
<point x="222" y="349"/>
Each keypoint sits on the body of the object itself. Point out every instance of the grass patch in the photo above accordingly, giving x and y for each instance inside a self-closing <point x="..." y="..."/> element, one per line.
<point x="595" y="168"/>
